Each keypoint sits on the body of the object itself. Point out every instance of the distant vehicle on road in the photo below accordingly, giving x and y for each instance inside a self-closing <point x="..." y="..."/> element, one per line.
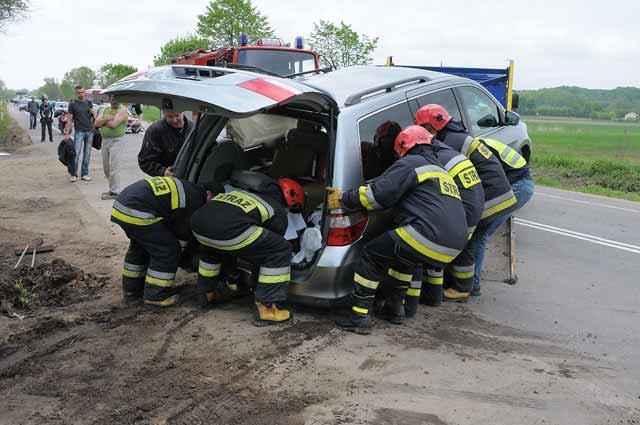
<point x="60" y="108"/>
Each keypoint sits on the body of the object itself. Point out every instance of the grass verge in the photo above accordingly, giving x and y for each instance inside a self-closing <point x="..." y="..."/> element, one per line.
<point x="4" y="121"/>
<point x="150" y="113"/>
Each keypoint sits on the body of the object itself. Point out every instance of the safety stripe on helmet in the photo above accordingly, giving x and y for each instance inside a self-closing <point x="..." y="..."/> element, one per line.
<point x="498" y="204"/>
<point x="360" y="310"/>
<point x="400" y="276"/>
<point x="371" y="284"/>
<point x="424" y="246"/>
<point x="367" y="199"/>
<point x="243" y="239"/>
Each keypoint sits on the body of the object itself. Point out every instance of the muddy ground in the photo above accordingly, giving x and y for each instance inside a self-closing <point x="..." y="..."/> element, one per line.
<point x="81" y="356"/>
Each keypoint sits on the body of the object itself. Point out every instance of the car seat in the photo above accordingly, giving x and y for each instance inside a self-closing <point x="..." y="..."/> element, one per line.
<point x="222" y="161"/>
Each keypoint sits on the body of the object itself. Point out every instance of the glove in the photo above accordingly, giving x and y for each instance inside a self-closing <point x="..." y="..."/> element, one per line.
<point x="333" y="199"/>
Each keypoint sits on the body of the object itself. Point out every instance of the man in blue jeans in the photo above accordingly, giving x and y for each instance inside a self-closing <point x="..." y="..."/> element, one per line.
<point x="81" y="114"/>
<point x="517" y="171"/>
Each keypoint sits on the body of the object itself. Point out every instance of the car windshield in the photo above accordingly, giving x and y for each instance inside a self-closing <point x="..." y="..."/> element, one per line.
<point x="281" y="62"/>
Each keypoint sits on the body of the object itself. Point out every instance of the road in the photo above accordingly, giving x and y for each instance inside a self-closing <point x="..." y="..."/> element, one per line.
<point x="560" y="347"/>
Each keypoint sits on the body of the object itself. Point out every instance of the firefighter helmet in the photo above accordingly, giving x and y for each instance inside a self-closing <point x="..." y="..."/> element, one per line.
<point x="434" y="115"/>
<point x="409" y="137"/>
<point x="293" y="193"/>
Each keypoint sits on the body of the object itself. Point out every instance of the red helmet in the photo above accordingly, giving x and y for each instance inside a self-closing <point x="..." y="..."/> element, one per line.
<point x="434" y="115"/>
<point x="293" y="193"/>
<point x="409" y="137"/>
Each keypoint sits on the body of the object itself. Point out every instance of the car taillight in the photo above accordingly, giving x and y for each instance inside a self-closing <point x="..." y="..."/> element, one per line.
<point x="345" y="229"/>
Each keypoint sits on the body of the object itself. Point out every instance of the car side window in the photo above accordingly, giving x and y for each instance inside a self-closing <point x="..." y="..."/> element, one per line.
<point x="481" y="110"/>
<point x="444" y="98"/>
<point x="378" y="132"/>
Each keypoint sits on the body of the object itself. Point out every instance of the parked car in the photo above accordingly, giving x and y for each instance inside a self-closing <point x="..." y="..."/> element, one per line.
<point x="313" y="130"/>
<point x="60" y="108"/>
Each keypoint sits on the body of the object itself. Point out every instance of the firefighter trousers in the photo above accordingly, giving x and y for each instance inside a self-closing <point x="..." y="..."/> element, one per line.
<point x="269" y="252"/>
<point x="459" y="274"/>
<point x="389" y="258"/>
<point x="151" y="261"/>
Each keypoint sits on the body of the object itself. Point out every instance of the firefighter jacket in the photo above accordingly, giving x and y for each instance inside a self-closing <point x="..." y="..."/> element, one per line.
<point x="498" y="196"/>
<point x="157" y="199"/>
<point x="160" y="146"/>
<point x="514" y="165"/>
<point x="429" y="210"/>
<point x="466" y="177"/>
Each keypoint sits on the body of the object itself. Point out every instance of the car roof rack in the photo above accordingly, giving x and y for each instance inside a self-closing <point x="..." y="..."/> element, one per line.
<point x="386" y="87"/>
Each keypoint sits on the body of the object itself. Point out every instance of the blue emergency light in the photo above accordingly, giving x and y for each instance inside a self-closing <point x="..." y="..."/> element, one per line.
<point x="244" y="39"/>
<point x="299" y="42"/>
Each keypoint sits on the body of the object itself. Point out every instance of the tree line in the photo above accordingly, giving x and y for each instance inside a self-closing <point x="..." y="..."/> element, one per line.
<point x="579" y="102"/>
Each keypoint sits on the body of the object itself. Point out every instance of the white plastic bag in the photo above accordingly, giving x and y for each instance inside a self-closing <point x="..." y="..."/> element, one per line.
<point x="311" y="242"/>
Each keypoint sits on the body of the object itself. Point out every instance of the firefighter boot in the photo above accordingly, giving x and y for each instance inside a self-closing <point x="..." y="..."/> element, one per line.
<point x="431" y="295"/>
<point x="411" y="306"/>
<point x="271" y="314"/>
<point x="453" y="295"/>
<point x="167" y="302"/>
<point x="393" y="310"/>
<point x="355" y="322"/>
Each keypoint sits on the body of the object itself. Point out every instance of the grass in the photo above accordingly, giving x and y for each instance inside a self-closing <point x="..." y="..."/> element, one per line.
<point x="4" y="122"/>
<point x="601" y="158"/>
<point x="150" y="113"/>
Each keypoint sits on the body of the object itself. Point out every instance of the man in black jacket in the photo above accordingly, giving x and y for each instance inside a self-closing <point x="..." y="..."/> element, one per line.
<point x="162" y="142"/>
<point x="46" y="118"/>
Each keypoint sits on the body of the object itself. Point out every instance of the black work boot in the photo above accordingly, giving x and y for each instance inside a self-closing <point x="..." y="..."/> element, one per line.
<point x="411" y="306"/>
<point x="355" y="322"/>
<point x="431" y="295"/>
<point x="393" y="309"/>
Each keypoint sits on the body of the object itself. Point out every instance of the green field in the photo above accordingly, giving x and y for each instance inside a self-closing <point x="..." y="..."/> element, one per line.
<point x="590" y="156"/>
<point x="4" y="120"/>
<point x="150" y="113"/>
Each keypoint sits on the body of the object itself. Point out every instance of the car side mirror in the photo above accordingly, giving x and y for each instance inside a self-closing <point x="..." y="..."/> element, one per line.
<point x="488" y="121"/>
<point x="511" y="118"/>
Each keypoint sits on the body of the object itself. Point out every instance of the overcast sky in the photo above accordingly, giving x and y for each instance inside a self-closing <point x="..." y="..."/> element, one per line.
<point x="561" y="42"/>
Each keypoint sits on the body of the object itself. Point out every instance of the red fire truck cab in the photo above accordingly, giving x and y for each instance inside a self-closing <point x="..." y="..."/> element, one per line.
<point x="269" y="54"/>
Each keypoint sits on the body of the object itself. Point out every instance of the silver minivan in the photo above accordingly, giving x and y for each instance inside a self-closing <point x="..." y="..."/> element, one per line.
<point x="314" y="129"/>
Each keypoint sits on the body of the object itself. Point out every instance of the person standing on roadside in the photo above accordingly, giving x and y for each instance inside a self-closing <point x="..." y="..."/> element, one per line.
<point x="162" y="142"/>
<point x="46" y="118"/>
<point x="81" y="115"/>
<point x="33" y="109"/>
<point x="113" y="124"/>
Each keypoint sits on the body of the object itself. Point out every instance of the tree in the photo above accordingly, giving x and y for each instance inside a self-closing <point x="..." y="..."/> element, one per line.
<point x="50" y="88"/>
<point x="179" y="46"/>
<point x="224" y="20"/>
<point x="67" y="90"/>
<point x="11" y="10"/>
<point x="110" y="73"/>
<point x="340" y="46"/>
<point x="81" y="76"/>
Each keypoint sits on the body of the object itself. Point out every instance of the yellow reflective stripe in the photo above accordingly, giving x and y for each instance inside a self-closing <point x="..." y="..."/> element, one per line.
<point x="360" y="310"/>
<point x="400" y="276"/>
<point x="159" y="282"/>
<point x="443" y="258"/>
<point x="413" y="292"/>
<point x="208" y="273"/>
<point x="129" y="273"/>
<point x="362" y="191"/>
<point x="474" y="145"/>
<point x="371" y="284"/>
<point x="499" y="207"/>
<point x="175" y="200"/>
<point x="274" y="279"/>
<point x="134" y="220"/>
<point x="432" y="175"/>
<point x="432" y="280"/>
<point x="462" y="275"/>
<point x="510" y="156"/>
<point x="166" y="302"/>
<point x="462" y="165"/>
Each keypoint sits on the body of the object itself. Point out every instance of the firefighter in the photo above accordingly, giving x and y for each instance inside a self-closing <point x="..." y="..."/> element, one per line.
<point x="154" y="213"/>
<point x="499" y="198"/>
<point x="458" y="279"/>
<point x="248" y="222"/>
<point x="431" y="224"/>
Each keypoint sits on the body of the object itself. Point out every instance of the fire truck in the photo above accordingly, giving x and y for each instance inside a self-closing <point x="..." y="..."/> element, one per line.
<point x="270" y="55"/>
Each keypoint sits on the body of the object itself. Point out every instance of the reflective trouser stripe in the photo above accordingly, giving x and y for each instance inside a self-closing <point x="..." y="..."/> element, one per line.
<point x="418" y="242"/>
<point x="371" y="284"/>
<point x="208" y="270"/>
<point x="399" y="276"/>
<point x="163" y="279"/>
<point x="132" y="274"/>
<point x="463" y="272"/>
<point x="498" y="204"/>
<point x="413" y="292"/>
<point x="360" y="310"/>
<point x="274" y="275"/>
<point x="245" y="238"/>
<point x="133" y="220"/>
<point x="433" y="280"/>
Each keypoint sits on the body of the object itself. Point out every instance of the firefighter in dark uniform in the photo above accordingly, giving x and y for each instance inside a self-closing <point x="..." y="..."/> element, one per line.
<point x="499" y="198"/>
<point x="248" y="222"/>
<point x="431" y="230"/>
<point x="154" y="213"/>
<point x="457" y="278"/>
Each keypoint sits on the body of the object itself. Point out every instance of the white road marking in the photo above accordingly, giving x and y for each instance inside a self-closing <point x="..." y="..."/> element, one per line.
<point x="597" y="204"/>
<point x="577" y="235"/>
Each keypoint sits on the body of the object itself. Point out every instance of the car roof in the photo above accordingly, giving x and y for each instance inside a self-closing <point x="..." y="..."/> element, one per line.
<point x="346" y="84"/>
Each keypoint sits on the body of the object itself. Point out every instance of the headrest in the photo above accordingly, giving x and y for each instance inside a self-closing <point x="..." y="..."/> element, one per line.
<point x="317" y="141"/>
